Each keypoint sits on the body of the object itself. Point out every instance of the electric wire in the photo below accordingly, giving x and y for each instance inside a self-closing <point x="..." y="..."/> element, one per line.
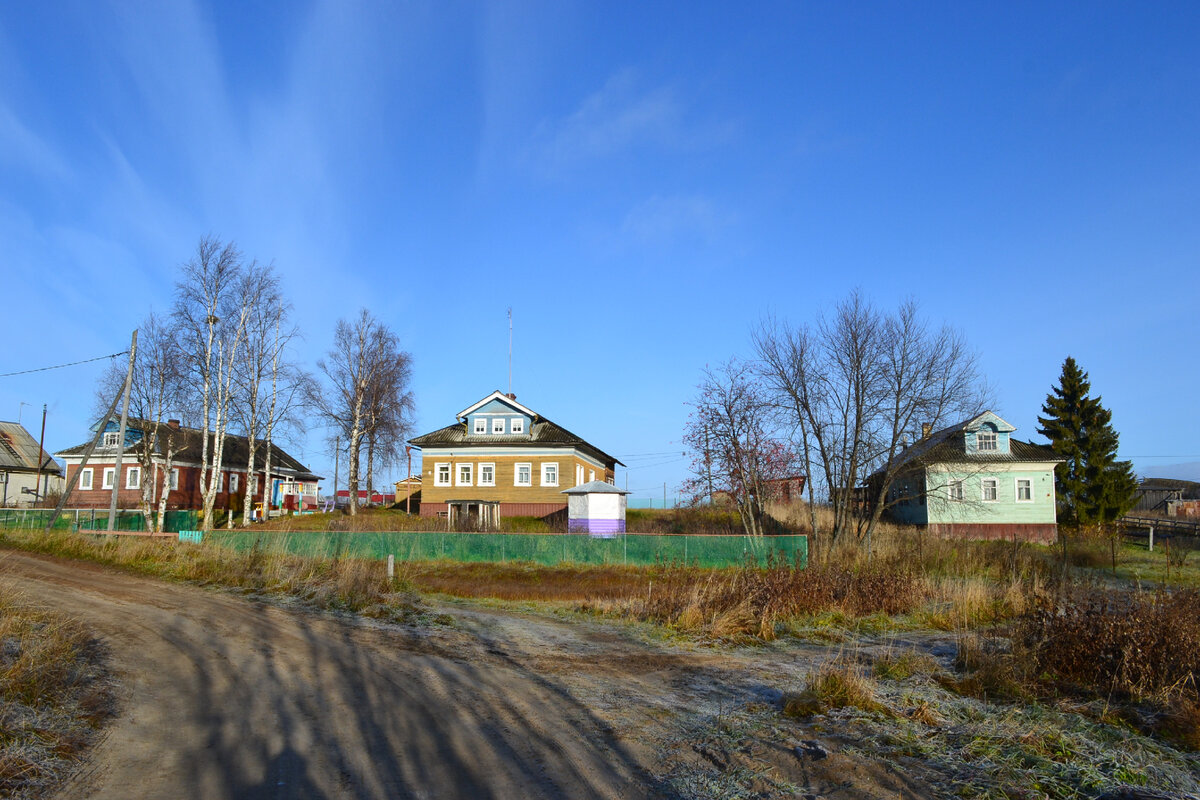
<point x="60" y="366"/>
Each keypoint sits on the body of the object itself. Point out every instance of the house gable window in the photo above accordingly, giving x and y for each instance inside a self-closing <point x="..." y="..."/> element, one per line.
<point x="174" y="484"/>
<point x="498" y="425"/>
<point x="487" y="474"/>
<point x="480" y="425"/>
<point x="233" y="482"/>
<point x="523" y="475"/>
<point x="110" y="474"/>
<point x="954" y="490"/>
<point x="985" y="441"/>
<point x="465" y="474"/>
<point x="441" y="474"/>
<point x="988" y="490"/>
<point x="1024" y="490"/>
<point x="85" y="479"/>
<point x="133" y="478"/>
<point x="517" y="425"/>
<point x="550" y="474"/>
<point x="111" y="438"/>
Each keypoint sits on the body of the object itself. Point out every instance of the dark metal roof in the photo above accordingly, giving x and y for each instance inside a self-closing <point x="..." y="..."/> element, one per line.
<point x="237" y="450"/>
<point x="19" y="451"/>
<point x="543" y="432"/>
<point x="949" y="445"/>
<point x="954" y="449"/>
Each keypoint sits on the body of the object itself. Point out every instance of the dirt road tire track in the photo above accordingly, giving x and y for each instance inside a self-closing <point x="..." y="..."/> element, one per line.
<point x="224" y="697"/>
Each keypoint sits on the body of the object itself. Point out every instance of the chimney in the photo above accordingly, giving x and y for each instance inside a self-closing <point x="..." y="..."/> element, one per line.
<point x="926" y="429"/>
<point x="511" y="396"/>
<point x="173" y="424"/>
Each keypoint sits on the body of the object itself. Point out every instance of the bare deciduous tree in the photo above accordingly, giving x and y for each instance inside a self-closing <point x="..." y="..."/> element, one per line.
<point x="735" y="448"/>
<point x="211" y="312"/>
<point x="269" y="384"/>
<point x="855" y="387"/>
<point x="367" y="394"/>
<point x="156" y="391"/>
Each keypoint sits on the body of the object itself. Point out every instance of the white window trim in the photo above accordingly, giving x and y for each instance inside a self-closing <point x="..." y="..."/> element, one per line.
<point x="233" y="482"/>
<point x="458" y="471"/>
<point x="516" y="426"/>
<point x="85" y="479"/>
<point x="517" y="473"/>
<point x="550" y="464"/>
<point x="1017" y="489"/>
<point x="994" y="439"/>
<point x="109" y="476"/>
<point x="111" y="438"/>
<point x="950" y="487"/>
<point x="130" y="474"/>
<point x="983" y="482"/>
<point x="591" y="475"/>
<point x="437" y="474"/>
<point x="492" y="482"/>
<point x="498" y="425"/>
<point x="480" y="426"/>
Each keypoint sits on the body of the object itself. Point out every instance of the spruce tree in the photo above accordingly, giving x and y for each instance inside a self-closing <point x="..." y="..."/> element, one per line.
<point x="1092" y="486"/>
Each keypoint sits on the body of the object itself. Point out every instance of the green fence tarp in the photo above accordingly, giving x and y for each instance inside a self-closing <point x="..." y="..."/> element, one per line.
<point x="93" y="519"/>
<point x="636" y="549"/>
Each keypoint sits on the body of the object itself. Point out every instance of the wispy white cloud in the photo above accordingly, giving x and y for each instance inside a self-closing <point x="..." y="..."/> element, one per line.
<point x="22" y="148"/>
<point x="659" y="221"/>
<point x="622" y="115"/>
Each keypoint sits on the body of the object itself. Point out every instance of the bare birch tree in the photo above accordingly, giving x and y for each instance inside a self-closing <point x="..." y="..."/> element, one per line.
<point x="156" y="391"/>
<point x="269" y="384"/>
<point x="367" y="375"/>
<point x="211" y="312"/>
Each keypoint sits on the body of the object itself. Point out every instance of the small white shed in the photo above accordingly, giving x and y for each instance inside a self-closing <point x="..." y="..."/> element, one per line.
<point x="597" y="508"/>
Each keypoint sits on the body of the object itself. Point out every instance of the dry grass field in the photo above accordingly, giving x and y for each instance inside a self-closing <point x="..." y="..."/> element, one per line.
<point x="995" y="664"/>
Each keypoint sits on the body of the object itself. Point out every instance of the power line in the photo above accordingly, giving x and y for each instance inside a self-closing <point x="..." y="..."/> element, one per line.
<point x="60" y="366"/>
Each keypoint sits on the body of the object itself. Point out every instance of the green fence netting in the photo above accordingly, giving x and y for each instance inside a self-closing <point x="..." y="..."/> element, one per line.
<point x="643" y="549"/>
<point x="86" y="519"/>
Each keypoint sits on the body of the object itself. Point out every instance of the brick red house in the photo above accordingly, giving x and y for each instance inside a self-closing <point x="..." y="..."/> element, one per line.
<point x="292" y="485"/>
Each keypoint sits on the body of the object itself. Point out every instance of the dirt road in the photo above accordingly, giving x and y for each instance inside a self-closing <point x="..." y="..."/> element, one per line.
<point x="224" y="696"/>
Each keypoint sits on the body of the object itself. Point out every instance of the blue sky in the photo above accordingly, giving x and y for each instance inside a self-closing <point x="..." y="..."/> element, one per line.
<point x="640" y="182"/>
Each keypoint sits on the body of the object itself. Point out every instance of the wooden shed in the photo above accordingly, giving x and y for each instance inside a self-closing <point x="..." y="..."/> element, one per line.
<point x="597" y="508"/>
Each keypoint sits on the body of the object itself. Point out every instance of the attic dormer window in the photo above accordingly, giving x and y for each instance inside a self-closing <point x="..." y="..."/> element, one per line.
<point x="517" y="426"/>
<point x="110" y="439"/>
<point x="480" y="425"/>
<point x="498" y="425"/>
<point x="985" y="440"/>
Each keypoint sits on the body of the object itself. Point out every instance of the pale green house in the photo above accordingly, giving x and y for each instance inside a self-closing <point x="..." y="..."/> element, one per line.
<point x="975" y="481"/>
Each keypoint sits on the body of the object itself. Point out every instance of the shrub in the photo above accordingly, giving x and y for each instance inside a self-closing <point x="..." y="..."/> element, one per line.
<point x="837" y="684"/>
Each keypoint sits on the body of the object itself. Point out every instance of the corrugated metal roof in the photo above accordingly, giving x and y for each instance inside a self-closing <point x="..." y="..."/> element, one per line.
<point x="19" y="451"/>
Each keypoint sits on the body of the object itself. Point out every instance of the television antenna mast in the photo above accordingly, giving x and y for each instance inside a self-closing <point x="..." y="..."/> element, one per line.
<point x="510" y="349"/>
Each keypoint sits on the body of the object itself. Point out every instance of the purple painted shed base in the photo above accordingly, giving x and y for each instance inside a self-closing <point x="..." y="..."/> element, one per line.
<point x="596" y="526"/>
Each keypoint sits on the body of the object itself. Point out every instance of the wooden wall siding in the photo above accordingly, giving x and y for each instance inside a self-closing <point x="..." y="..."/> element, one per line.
<point x="187" y="496"/>
<point x="1005" y="509"/>
<point x="504" y="490"/>
<point x="506" y="509"/>
<point x="1040" y="534"/>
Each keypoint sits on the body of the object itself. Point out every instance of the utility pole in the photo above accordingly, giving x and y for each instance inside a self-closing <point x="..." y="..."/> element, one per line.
<point x="41" y="462"/>
<point x="337" y="441"/>
<point x="408" y="481"/>
<point x="112" y="503"/>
